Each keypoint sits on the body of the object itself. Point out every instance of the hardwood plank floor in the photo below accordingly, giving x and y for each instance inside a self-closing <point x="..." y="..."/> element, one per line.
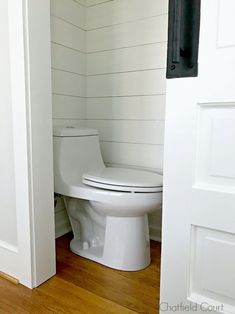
<point x="83" y="286"/>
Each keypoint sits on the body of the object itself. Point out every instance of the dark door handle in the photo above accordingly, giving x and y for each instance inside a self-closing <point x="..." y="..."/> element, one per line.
<point x="176" y="12"/>
<point x="194" y="35"/>
<point x="183" y="38"/>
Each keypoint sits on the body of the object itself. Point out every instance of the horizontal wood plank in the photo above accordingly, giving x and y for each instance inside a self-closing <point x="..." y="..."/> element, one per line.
<point x="68" y="107"/>
<point x="134" y="33"/>
<point x="147" y="57"/>
<point x="126" y="108"/>
<point x="67" y="59"/>
<point x="66" y="83"/>
<point x="68" y="122"/>
<point x="70" y="11"/>
<point x="90" y="3"/>
<point x="139" y="155"/>
<point x="67" y="34"/>
<point x="127" y="84"/>
<point x="129" y="131"/>
<point x="122" y="11"/>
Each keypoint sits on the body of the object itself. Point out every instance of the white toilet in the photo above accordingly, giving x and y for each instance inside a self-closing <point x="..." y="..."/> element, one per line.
<point x="107" y="207"/>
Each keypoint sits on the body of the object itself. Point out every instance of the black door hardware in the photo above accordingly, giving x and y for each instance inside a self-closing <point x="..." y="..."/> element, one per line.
<point x="183" y="38"/>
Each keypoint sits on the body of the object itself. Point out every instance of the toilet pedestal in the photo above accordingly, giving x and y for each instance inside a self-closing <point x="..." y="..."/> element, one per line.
<point x="127" y="246"/>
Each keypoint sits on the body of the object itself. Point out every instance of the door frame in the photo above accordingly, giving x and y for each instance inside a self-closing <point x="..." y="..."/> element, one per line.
<point x="29" y="36"/>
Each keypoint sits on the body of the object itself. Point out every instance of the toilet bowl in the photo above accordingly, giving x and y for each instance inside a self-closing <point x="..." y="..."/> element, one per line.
<point x="107" y="206"/>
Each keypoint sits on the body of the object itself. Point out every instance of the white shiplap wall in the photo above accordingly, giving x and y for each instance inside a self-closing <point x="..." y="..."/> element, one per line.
<point x="68" y="49"/>
<point x="108" y="65"/>
<point x="126" y="55"/>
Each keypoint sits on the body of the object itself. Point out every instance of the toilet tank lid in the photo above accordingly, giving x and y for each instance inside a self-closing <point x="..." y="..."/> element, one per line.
<point x="73" y="132"/>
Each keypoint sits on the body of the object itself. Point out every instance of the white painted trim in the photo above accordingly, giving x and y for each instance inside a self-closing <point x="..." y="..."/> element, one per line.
<point x="38" y="47"/>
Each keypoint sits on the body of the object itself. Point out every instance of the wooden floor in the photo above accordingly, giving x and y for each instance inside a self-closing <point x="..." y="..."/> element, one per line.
<point x="83" y="286"/>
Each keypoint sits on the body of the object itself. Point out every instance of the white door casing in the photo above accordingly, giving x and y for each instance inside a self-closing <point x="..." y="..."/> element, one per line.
<point x="198" y="252"/>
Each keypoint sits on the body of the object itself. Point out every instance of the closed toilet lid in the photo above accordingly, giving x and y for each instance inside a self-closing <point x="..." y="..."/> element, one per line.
<point x="121" y="179"/>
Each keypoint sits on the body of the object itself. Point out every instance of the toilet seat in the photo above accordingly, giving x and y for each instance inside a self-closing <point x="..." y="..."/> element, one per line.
<point x="126" y="180"/>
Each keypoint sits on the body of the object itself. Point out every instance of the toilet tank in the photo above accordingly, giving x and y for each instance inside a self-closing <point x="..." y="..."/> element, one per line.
<point x="76" y="151"/>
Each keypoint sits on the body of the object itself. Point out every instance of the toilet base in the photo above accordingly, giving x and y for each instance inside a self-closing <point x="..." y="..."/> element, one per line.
<point x="126" y="244"/>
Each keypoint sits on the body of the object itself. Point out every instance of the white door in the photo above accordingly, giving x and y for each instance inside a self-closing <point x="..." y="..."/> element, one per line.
<point x="26" y="178"/>
<point x="198" y="258"/>
<point x="8" y="221"/>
